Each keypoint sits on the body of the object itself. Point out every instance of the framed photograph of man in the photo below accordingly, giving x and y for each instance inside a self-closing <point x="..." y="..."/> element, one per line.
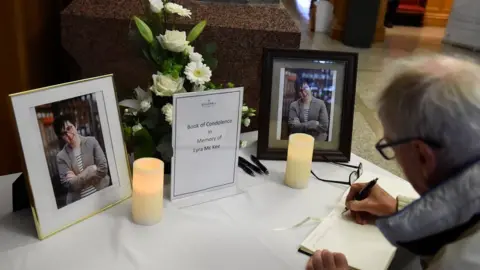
<point x="310" y="92"/>
<point x="73" y="150"/>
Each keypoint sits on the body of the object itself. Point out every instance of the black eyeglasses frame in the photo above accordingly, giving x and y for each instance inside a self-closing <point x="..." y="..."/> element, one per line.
<point x="382" y="144"/>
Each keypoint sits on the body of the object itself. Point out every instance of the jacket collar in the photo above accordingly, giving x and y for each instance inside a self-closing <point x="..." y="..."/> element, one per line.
<point x="440" y="216"/>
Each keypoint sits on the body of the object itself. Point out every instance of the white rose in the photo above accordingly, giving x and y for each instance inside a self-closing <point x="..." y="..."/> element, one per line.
<point x="173" y="40"/>
<point x="136" y="128"/>
<point x="178" y="9"/>
<point x="156" y="6"/>
<point x="243" y="144"/>
<point x="244" y="108"/>
<point x="195" y="57"/>
<point x="167" y="110"/>
<point x="166" y="85"/>
<point x="145" y="105"/>
<point x="198" y="87"/>
<point x="246" y="122"/>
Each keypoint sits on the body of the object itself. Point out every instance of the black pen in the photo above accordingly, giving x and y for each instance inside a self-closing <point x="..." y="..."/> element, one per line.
<point x="245" y="168"/>
<point x="364" y="192"/>
<point x="250" y="165"/>
<point x="259" y="164"/>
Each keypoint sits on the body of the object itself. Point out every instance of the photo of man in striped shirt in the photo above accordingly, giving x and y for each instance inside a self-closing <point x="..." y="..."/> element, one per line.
<point x="82" y="165"/>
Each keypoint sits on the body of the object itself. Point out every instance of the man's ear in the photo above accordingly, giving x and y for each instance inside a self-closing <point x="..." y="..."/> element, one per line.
<point x="427" y="158"/>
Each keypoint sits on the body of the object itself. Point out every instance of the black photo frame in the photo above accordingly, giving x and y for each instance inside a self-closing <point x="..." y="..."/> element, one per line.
<point x="339" y="67"/>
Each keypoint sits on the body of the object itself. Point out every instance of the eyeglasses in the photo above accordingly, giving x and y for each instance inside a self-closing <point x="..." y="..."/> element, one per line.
<point x="386" y="148"/>
<point x="351" y="178"/>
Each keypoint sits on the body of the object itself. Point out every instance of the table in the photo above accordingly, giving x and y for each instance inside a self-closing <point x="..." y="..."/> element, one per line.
<point x="230" y="233"/>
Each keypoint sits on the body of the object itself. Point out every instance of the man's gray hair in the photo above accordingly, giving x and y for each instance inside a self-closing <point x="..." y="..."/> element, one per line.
<point x="436" y="98"/>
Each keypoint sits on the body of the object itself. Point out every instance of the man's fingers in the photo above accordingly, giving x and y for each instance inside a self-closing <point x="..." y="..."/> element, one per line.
<point x="317" y="261"/>
<point x="328" y="260"/>
<point x="340" y="261"/>
<point x="354" y="189"/>
<point x="358" y="219"/>
<point x="360" y="206"/>
<point x="310" y="265"/>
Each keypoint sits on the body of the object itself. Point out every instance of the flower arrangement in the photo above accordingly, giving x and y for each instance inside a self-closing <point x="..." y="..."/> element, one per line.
<point x="147" y="118"/>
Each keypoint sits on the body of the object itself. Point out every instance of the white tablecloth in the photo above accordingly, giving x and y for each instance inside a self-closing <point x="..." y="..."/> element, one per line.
<point x="235" y="232"/>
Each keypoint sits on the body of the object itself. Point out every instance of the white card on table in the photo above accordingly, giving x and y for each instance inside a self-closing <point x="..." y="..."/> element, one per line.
<point x="205" y="140"/>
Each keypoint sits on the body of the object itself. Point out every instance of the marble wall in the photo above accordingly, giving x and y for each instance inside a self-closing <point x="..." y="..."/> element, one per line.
<point x="95" y="34"/>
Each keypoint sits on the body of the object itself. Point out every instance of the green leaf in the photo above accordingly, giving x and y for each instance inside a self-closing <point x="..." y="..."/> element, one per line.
<point x="167" y="66"/>
<point x="210" y="85"/>
<point x="196" y="31"/>
<point x="177" y="67"/>
<point x="127" y="132"/>
<point x="143" y="144"/>
<point x="155" y="55"/>
<point x="151" y="118"/>
<point x="175" y="74"/>
<point x="165" y="148"/>
<point x="143" y="29"/>
<point x="210" y="48"/>
<point x="230" y="85"/>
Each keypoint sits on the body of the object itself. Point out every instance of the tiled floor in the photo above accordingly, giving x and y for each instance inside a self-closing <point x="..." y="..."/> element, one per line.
<point x="400" y="41"/>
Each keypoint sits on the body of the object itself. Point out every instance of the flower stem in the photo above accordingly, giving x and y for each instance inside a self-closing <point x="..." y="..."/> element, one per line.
<point x="165" y="20"/>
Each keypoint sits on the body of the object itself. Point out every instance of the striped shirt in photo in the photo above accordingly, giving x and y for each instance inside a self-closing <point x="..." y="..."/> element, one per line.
<point x="89" y="189"/>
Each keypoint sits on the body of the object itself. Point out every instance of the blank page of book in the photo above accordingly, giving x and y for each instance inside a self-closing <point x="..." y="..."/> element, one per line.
<point x="363" y="245"/>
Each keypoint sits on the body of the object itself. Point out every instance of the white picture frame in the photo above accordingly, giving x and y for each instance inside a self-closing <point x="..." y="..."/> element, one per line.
<point x="93" y="101"/>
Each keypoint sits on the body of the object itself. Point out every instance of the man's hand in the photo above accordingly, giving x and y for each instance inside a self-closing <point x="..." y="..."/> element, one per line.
<point x="326" y="260"/>
<point x="378" y="203"/>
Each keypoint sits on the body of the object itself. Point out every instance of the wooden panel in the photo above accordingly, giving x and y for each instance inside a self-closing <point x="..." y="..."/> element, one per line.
<point x="29" y="53"/>
<point x="437" y="12"/>
<point x="12" y="80"/>
<point x="340" y="13"/>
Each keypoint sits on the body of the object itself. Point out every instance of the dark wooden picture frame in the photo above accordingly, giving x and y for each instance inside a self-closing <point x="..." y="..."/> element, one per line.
<point x="342" y="153"/>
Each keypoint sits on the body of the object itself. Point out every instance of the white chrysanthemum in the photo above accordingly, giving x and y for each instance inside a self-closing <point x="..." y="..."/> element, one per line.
<point x="198" y="87"/>
<point x="245" y="109"/>
<point x="178" y="9"/>
<point x="195" y="57"/>
<point x="167" y="110"/>
<point x="156" y="5"/>
<point x="198" y="72"/>
<point x="246" y="122"/>
<point x="136" y="128"/>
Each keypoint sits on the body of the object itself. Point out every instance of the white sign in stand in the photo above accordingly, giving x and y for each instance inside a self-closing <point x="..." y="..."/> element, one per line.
<point x="206" y="133"/>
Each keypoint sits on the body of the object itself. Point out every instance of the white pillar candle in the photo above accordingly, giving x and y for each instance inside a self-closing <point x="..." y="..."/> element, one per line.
<point x="299" y="160"/>
<point x="147" y="197"/>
